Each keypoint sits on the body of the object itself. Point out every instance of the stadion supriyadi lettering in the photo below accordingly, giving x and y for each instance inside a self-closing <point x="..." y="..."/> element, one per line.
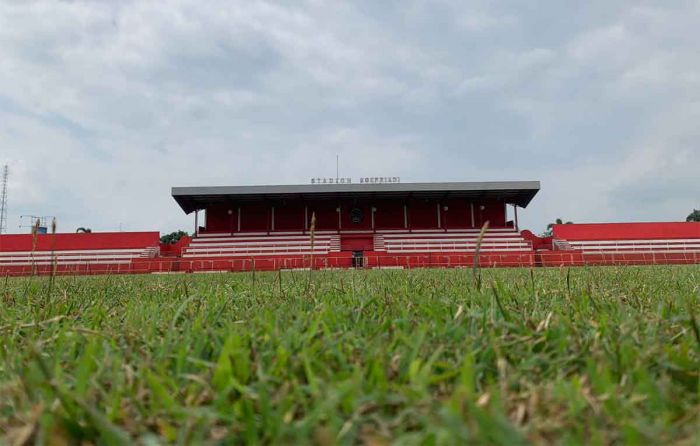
<point x="362" y="180"/>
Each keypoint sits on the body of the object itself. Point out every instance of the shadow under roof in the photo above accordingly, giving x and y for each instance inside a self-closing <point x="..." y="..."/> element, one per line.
<point x="519" y="193"/>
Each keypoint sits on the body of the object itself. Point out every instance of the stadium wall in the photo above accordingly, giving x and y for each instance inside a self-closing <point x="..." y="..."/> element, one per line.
<point x="80" y="241"/>
<point x="169" y="259"/>
<point x="627" y="231"/>
<point x="175" y="249"/>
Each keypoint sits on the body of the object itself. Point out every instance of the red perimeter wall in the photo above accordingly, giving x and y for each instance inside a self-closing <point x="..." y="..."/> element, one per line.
<point x="66" y="242"/>
<point x="627" y="231"/>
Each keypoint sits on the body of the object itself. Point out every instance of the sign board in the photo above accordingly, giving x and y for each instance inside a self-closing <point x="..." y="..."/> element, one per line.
<point x="343" y="180"/>
<point x="361" y="180"/>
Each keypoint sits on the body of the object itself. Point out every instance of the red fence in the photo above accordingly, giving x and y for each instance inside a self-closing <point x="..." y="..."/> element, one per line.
<point x="171" y="262"/>
<point x="178" y="265"/>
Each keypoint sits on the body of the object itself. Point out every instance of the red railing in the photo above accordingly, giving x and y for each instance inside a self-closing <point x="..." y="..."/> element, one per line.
<point x="345" y="260"/>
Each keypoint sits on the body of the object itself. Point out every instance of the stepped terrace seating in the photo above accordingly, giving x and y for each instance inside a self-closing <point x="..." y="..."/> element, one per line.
<point x="255" y="244"/>
<point x="76" y="256"/>
<point x="636" y="246"/>
<point x="506" y="240"/>
<point x="630" y="243"/>
<point x="636" y="252"/>
<point x="628" y="238"/>
<point x="20" y="253"/>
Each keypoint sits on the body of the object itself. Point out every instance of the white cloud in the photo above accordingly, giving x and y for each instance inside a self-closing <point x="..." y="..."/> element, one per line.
<point x="479" y="21"/>
<point x="506" y="69"/>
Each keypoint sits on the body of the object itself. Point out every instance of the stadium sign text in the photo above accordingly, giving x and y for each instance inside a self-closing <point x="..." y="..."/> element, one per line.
<point x="362" y="180"/>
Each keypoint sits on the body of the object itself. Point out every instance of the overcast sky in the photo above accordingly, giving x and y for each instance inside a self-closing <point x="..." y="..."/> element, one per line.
<point x="106" y="105"/>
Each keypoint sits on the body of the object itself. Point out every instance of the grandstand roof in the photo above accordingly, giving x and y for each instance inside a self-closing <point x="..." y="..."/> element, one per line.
<point x="513" y="192"/>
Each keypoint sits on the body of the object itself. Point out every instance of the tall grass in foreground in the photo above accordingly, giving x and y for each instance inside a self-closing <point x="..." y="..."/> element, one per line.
<point x="582" y="356"/>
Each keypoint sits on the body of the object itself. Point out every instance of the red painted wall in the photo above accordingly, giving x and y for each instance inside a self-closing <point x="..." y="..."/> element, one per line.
<point x="357" y="242"/>
<point x="65" y="242"/>
<point x="422" y="214"/>
<point x="219" y="220"/>
<point x="365" y="223"/>
<point x="175" y="249"/>
<point x="326" y="216"/>
<point x="389" y="215"/>
<point x="627" y="231"/>
<point x="494" y="213"/>
<point x="289" y="215"/>
<point x="254" y="217"/>
<point x="457" y="215"/>
<point x="537" y="242"/>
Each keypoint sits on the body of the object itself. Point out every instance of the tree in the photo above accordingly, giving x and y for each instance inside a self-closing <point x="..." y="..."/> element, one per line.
<point x="173" y="237"/>
<point x="550" y="227"/>
<point x="694" y="216"/>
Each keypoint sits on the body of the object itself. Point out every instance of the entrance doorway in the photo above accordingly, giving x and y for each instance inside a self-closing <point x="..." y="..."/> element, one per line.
<point x="358" y="259"/>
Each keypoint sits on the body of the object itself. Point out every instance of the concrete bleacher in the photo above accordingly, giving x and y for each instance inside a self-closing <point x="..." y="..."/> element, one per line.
<point x="212" y="245"/>
<point x="636" y="246"/>
<point x="253" y="244"/>
<point x="504" y="240"/>
<point x="77" y="256"/>
<point x="629" y="243"/>
<point x="23" y="252"/>
<point x="630" y="238"/>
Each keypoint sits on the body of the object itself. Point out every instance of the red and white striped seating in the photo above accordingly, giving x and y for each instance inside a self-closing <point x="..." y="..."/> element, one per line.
<point x="261" y="244"/>
<point x="76" y="256"/>
<point x="504" y="240"/>
<point x="635" y="246"/>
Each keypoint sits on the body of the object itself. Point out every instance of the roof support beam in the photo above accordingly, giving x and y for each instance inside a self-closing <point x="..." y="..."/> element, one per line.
<point x="517" y="192"/>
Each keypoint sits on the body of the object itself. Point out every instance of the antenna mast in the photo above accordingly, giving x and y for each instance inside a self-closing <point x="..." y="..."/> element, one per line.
<point x="3" y="199"/>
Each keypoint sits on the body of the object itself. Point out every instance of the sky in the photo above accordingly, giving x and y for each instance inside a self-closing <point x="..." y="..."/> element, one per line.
<point x="104" y="106"/>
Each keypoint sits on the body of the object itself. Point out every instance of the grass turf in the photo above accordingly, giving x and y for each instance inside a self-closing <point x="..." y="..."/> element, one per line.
<point x="588" y="355"/>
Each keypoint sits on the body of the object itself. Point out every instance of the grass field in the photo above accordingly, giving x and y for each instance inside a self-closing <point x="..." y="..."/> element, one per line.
<point x="595" y="356"/>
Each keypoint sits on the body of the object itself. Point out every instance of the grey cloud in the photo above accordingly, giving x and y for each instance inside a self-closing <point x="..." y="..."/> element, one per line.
<point x="104" y="106"/>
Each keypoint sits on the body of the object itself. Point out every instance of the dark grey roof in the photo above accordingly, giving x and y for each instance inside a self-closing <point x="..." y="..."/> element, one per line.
<point x="512" y="192"/>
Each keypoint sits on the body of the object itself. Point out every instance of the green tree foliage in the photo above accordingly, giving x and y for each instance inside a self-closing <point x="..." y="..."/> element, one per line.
<point x="173" y="237"/>
<point x="694" y="216"/>
<point x="550" y="227"/>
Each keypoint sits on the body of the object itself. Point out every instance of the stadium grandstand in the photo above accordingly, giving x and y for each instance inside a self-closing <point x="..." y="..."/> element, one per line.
<point x="371" y="224"/>
<point x="629" y="243"/>
<point x="359" y="224"/>
<point x="87" y="253"/>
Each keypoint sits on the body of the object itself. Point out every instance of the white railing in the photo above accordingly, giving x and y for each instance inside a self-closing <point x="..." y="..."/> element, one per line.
<point x="561" y="245"/>
<point x="73" y="260"/>
<point x="633" y="246"/>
